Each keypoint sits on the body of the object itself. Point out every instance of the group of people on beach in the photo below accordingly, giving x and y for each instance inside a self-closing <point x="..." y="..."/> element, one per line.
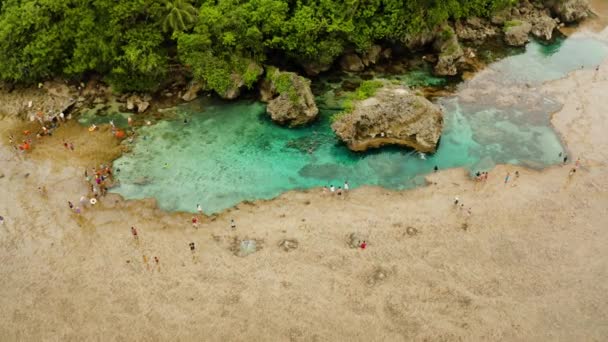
<point x="339" y="191"/>
<point x="47" y="127"/>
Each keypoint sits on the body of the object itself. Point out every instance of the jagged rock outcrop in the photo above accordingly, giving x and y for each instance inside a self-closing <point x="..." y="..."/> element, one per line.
<point x="290" y="99"/>
<point x="516" y="32"/>
<point x="475" y="29"/>
<point x="237" y="81"/>
<point x="569" y="11"/>
<point x="542" y="25"/>
<point x="351" y="62"/>
<point x="449" y="50"/>
<point x="393" y="116"/>
<point x="43" y="103"/>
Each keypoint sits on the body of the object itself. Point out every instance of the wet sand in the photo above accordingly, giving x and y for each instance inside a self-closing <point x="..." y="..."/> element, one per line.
<point x="529" y="264"/>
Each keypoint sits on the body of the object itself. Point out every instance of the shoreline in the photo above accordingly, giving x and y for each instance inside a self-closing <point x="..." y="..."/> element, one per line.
<point x="529" y="263"/>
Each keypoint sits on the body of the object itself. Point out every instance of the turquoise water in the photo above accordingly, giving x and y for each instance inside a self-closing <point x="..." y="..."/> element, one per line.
<point x="230" y="152"/>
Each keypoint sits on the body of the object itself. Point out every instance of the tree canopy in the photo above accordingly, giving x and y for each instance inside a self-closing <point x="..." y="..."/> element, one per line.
<point x="132" y="43"/>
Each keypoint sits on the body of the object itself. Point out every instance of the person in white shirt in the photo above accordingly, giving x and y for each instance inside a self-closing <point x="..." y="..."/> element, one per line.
<point x="332" y="189"/>
<point x="346" y="187"/>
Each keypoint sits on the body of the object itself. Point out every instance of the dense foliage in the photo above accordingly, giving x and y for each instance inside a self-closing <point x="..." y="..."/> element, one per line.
<point x="135" y="44"/>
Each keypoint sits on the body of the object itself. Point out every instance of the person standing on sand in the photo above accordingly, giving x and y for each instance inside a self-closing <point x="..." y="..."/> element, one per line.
<point x="194" y="222"/>
<point x="346" y="186"/>
<point x="363" y="245"/>
<point x="565" y="159"/>
<point x="332" y="189"/>
<point x="571" y="173"/>
<point x="192" y="247"/>
<point x="232" y="224"/>
<point x="1" y="220"/>
<point x="325" y="190"/>
<point x="134" y="232"/>
<point x="70" y="205"/>
<point x="507" y="177"/>
<point x="456" y="200"/>
<point x="577" y="164"/>
<point x="200" y="209"/>
<point x="339" y="192"/>
<point x="157" y="263"/>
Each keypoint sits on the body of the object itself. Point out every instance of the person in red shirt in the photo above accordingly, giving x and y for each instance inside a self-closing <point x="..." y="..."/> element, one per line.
<point x="363" y="245"/>
<point x="194" y="222"/>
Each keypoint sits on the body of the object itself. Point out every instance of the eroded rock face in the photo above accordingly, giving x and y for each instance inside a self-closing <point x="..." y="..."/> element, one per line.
<point x="54" y="97"/>
<point x="393" y="116"/>
<point x="450" y="52"/>
<point x="475" y="29"/>
<point x="570" y="11"/>
<point x="238" y="81"/>
<point x="517" y="35"/>
<point x="543" y="26"/>
<point x="290" y="99"/>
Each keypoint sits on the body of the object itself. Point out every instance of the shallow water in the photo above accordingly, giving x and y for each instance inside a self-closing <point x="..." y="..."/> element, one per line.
<point x="230" y="152"/>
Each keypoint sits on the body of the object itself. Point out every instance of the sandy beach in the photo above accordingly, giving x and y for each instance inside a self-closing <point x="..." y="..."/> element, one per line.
<point x="529" y="263"/>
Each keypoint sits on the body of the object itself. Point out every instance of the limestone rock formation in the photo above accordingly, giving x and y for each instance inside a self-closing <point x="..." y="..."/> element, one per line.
<point x="237" y="81"/>
<point x="570" y="11"/>
<point x="449" y="50"/>
<point x="475" y="29"/>
<point x="516" y="33"/>
<point x="542" y="26"/>
<point x="43" y="102"/>
<point x="393" y="116"/>
<point x="290" y="99"/>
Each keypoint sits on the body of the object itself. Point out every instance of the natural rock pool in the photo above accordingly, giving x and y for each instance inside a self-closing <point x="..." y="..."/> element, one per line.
<point x="230" y="152"/>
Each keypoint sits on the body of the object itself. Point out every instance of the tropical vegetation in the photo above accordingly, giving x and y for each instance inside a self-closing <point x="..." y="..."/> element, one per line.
<point x="138" y="45"/>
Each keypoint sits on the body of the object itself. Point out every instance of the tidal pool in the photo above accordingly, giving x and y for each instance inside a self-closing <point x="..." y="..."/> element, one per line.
<point x="229" y="152"/>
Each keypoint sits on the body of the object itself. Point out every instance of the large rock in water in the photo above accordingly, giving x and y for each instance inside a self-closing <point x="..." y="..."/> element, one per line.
<point x="542" y="25"/>
<point x="393" y="116"/>
<point x="449" y="50"/>
<point x="295" y="104"/>
<point x="570" y="11"/>
<point x="516" y="33"/>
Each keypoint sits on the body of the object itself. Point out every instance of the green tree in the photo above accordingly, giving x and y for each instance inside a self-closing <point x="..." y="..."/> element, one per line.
<point x="181" y="15"/>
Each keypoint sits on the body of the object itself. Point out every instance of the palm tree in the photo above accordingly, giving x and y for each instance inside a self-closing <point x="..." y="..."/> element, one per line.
<point x="181" y="14"/>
